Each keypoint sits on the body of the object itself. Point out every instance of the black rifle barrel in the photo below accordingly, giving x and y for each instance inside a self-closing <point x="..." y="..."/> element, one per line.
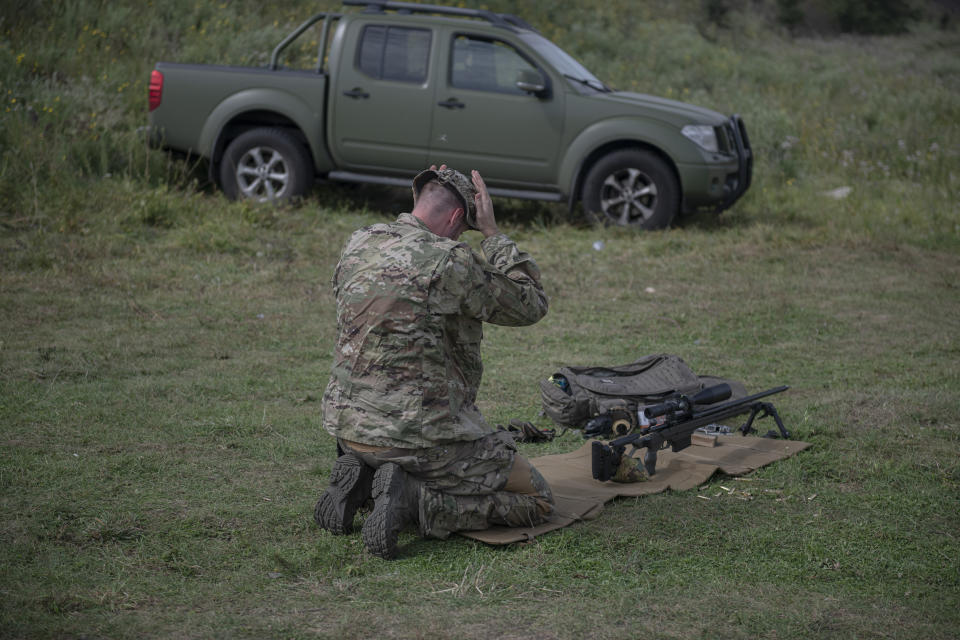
<point x="725" y="410"/>
<point x="677" y="432"/>
<point x="701" y="418"/>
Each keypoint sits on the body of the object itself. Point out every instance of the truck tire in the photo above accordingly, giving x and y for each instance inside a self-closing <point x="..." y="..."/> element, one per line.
<point x="631" y="188"/>
<point x="267" y="165"/>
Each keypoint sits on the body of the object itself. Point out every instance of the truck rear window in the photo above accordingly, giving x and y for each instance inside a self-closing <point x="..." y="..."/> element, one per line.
<point x="394" y="53"/>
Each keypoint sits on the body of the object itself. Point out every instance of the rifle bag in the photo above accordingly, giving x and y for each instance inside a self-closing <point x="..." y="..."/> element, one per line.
<point x="591" y="391"/>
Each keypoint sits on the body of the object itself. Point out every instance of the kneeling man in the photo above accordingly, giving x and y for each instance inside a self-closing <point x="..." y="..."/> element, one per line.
<point x="411" y="302"/>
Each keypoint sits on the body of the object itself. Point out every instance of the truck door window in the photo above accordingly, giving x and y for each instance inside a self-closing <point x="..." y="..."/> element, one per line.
<point x="486" y="65"/>
<point x="394" y="53"/>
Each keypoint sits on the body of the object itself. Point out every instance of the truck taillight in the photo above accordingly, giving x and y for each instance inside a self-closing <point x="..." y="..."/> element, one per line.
<point x="156" y="89"/>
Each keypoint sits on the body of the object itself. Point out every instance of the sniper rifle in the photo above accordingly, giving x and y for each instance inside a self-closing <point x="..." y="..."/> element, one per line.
<point x="672" y="423"/>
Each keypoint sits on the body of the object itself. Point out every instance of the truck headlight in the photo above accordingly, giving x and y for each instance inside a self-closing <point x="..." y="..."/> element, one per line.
<point x="703" y="135"/>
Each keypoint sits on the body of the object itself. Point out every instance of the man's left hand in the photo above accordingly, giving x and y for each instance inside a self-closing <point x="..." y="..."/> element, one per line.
<point x="486" y="223"/>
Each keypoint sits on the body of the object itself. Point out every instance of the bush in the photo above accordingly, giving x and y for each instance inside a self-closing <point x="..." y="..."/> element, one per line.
<point x="875" y="16"/>
<point x="789" y="13"/>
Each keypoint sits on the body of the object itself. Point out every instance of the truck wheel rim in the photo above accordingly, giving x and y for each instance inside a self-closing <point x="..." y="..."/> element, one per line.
<point x="628" y="197"/>
<point x="263" y="174"/>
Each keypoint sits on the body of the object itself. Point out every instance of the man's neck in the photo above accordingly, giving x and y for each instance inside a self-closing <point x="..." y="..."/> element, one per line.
<point x="444" y="226"/>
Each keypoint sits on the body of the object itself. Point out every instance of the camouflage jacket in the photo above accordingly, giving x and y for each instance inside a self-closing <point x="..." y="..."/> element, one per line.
<point x="410" y="309"/>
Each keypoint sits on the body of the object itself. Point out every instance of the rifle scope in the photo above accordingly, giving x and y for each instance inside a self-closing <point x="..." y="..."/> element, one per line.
<point x="683" y="404"/>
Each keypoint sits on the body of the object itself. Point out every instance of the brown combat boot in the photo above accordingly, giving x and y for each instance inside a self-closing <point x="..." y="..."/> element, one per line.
<point x="397" y="496"/>
<point x="350" y="483"/>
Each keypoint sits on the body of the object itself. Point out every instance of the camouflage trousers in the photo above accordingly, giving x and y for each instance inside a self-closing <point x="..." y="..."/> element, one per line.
<point x="469" y="486"/>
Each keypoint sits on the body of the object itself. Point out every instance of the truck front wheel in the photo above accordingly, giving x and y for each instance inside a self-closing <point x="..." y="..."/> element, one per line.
<point x="265" y="165"/>
<point x="631" y="188"/>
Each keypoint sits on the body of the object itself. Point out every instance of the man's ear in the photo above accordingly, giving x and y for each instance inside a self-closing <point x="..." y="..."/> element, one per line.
<point x="458" y="222"/>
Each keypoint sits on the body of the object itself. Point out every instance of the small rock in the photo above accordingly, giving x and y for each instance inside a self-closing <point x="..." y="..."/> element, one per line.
<point x="839" y="193"/>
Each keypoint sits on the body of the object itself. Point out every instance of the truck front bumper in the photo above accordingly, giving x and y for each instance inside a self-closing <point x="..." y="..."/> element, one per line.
<point x="719" y="181"/>
<point x="737" y="183"/>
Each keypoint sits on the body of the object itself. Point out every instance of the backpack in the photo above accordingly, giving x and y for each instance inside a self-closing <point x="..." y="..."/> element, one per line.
<point x="574" y="395"/>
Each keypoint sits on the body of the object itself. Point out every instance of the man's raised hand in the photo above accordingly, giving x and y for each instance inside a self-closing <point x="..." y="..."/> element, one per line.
<point x="486" y="223"/>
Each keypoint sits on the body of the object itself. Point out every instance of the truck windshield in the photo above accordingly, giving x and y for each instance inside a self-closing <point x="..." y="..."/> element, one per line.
<point x="564" y="63"/>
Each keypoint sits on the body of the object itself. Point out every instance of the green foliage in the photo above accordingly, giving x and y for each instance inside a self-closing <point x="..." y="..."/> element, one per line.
<point x="718" y="12"/>
<point x="874" y="115"/>
<point x="875" y="16"/>
<point x="790" y="13"/>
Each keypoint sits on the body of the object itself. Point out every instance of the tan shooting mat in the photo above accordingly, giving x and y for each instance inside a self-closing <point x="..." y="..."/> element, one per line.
<point x="579" y="497"/>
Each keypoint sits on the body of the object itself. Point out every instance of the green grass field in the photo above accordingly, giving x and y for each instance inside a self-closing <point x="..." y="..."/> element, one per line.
<point x="164" y="351"/>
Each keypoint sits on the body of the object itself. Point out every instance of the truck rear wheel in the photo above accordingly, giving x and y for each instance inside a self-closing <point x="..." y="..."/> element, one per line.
<point x="266" y="165"/>
<point x="631" y="188"/>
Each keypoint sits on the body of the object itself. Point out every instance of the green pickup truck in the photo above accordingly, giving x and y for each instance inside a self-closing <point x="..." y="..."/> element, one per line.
<point x="398" y="86"/>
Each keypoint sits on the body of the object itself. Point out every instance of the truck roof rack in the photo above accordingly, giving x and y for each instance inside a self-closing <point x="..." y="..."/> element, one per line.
<point x="505" y="20"/>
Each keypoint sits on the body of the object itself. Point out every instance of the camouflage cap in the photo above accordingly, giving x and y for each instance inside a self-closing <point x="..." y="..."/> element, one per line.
<point x="458" y="183"/>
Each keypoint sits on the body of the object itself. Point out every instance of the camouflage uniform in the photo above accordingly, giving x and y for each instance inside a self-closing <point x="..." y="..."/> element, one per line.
<point x="410" y="309"/>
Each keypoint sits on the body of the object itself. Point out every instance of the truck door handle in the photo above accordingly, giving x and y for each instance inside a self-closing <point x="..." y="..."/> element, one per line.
<point x="452" y="103"/>
<point x="356" y="92"/>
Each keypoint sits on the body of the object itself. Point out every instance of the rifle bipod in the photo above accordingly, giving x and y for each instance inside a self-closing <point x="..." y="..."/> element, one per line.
<point x="762" y="410"/>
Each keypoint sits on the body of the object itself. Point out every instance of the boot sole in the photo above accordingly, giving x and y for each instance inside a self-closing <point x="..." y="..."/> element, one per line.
<point x="350" y="483"/>
<point x="382" y="527"/>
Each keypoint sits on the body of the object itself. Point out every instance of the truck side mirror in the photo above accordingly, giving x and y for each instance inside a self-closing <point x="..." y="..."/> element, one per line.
<point x="531" y="81"/>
